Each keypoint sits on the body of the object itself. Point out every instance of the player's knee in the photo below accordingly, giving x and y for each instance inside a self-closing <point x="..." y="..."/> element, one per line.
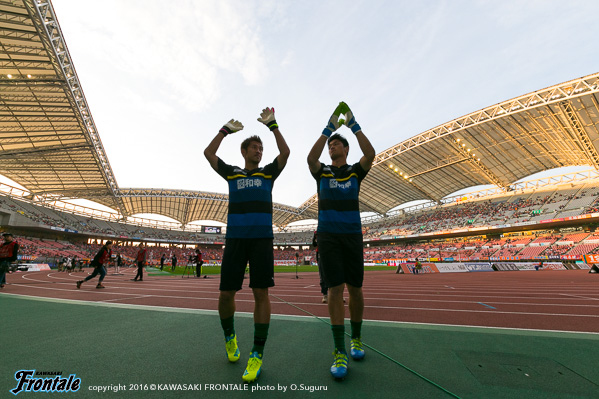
<point x="336" y="290"/>
<point x="226" y="296"/>
<point x="260" y="294"/>
<point x="355" y="292"/>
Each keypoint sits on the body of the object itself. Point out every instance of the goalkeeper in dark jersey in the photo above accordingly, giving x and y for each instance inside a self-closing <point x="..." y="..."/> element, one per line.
<point x="340" y="230"/>
<point x="249" y="234"/>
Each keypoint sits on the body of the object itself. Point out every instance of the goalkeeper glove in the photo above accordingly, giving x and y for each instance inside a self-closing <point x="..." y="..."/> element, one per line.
<point x="351" y="120"/>
<point x="268" y="118"/>
<point x="334" y="121"/>
<point x="231" y="127"/>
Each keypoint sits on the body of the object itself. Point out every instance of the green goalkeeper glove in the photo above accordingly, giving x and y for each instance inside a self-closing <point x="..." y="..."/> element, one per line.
<point x="268" y="118"/>
<point x="231" y="127"/>
<point x="350" y="120"/>
<point x="334" y="121"/>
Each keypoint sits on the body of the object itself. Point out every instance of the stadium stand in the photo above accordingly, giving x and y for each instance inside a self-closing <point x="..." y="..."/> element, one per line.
<point x="528" y="208"/>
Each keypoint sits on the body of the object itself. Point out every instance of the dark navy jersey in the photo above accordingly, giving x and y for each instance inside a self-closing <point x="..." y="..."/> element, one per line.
<point x="250" y="199"/>
<point x="338" y="205"/>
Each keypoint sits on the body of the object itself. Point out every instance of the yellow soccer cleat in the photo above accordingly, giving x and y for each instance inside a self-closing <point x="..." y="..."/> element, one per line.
<point x="252" y="372"/>
<point x="232" y="349"/>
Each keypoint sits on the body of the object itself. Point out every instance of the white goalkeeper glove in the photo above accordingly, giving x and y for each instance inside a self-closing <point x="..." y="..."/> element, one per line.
<point x="268" y="118"/>
<point x="231" y="127"/>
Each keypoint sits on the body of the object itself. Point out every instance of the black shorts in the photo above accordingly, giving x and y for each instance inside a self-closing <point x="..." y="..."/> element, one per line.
<point x="238" y="252"/>
<point x="341" y="259"/>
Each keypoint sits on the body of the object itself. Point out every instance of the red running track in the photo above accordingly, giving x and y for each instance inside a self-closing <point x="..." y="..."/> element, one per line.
<point x="545" y="300"/>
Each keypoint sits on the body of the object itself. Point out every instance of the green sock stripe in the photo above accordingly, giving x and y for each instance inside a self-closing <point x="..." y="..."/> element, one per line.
<point x="356" y="329"/>
<point x="228" y="325"/>
<point x="339" y="337"/>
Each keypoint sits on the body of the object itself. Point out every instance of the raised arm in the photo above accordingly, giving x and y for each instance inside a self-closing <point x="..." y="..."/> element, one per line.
<point x="316" y="151"/>
<point x="365" y="145"/>
<point x="268" y="118"/>
<point x="210" y="152"/>
<point x="367" y="150"/>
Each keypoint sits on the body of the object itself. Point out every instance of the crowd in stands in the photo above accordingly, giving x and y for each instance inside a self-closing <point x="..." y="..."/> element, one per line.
<point x="49" y="217"/>
<point x="515" y="208"/>
<point x="549" y="245"/>
<point x="491" y="212"/>
<point x="53" y="250"/>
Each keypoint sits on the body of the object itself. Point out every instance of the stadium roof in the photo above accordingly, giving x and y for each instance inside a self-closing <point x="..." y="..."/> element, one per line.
<point x="498" y="145"/>
<point x="50" y="145"/>
<point x="48" y="141"/>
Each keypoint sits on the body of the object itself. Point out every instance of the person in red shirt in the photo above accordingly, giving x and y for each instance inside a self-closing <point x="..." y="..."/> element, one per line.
<point x="141" y="262"/>
<point x="8" y="253"/>
<point x="101" y="257"/>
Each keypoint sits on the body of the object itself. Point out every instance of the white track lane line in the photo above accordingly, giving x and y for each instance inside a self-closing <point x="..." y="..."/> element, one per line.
<point x="302" y="303"/>
<point x="301" y="293"/>
<point x="124" y="299"/>
<point x="578" y="296"/>
<point x="466" y="327"/>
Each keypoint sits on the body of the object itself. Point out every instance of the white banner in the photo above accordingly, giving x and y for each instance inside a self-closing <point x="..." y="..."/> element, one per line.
<point x="34" y="267"/>
<point x="285" y="262"/>
<point x="479" y="267"/>
<point x="527" y="265"/>
<point x="451" y="267"/>
<point x="553" y="266"/>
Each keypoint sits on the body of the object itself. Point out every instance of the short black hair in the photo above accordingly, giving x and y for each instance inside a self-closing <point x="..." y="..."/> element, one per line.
<point x="246" y="143"/>
<point x="339" y="137"/>
<point x="108" y="242"/>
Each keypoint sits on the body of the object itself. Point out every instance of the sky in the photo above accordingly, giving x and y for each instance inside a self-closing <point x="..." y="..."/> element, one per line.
<point x="161" y="77"/>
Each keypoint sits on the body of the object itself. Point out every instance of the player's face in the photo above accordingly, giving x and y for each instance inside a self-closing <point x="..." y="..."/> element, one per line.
<point x="254" y="152"/>
<point x="337" y="150"/>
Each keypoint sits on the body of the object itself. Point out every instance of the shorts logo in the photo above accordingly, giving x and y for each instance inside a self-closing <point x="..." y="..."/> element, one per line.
<point x="246" y="183"/>
<point x="26" y="382"/>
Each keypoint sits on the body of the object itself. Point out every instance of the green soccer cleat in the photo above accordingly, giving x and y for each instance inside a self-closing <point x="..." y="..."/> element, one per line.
<point x="232" y="349"/>
<point x="252" y="372"/>
<point x="356" y="350"/>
